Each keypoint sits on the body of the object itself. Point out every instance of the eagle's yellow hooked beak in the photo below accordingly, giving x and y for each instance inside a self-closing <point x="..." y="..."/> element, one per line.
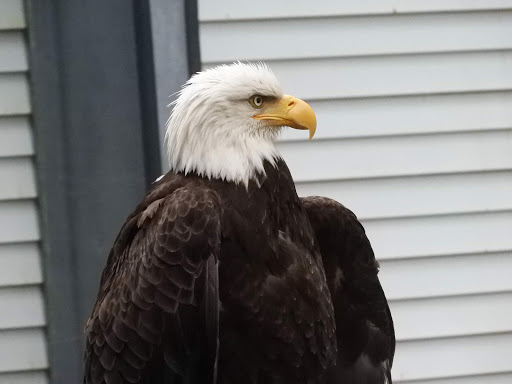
<point x="291" y="112"/>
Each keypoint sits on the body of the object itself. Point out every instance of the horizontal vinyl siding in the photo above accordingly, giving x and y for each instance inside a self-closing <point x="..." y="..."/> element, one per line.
<point x="20" y="264"/>
<point x="414" y="106"/>
<point x="270" y="9"/>
<point x="468" y="32"/>
<point x="23" y="355"/>
<point x="37" y="377"/>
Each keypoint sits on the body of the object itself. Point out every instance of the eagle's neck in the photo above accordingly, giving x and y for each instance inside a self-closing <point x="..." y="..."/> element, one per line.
<point x="234" y="157"/>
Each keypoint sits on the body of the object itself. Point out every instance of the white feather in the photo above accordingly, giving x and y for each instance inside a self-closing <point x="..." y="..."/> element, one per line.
<point x="211" y="131"/>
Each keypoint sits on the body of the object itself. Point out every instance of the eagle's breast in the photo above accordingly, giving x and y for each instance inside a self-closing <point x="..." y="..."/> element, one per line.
<point x="276" y="307"/>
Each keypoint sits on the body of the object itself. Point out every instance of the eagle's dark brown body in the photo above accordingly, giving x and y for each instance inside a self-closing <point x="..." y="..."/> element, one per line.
<point x="212" y="279"/>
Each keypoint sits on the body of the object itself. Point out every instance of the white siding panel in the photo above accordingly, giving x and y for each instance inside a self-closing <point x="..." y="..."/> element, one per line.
<point x="19" y="222"/>
<point x="446" y="275"/>
<point x="11" y="14"/>
<point x="15" y="137"/>
<point x="394" y="156"/>
<point x="18" y="178"/>
<point x="440" y="235"/>
<point x="356" y="36"/>
<point x="452" y="316"/>
<point x="38" y="377"/>
<point x="414" y="106"/>
<point x="418" y="74"/>
<point x="418" y="195"/>
<point x="344" y="118"/>
<point x="268" y="9"/>
<point x="438" y="358"/>
<point x="20" y="264"/>
<point x="23" y="350"/>
<point x="499" y="378"/>
<point x="14" y="94"/>
<point x="14" y="56"/>
<point x="21" y="307"/>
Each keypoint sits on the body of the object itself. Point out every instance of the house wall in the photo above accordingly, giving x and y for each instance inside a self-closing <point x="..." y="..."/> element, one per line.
<point x="414" y="107"/>
<point x="23" y="356"/>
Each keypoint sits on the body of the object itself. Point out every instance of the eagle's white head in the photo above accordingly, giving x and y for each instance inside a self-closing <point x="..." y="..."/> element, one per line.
<point x="226" y="119"/>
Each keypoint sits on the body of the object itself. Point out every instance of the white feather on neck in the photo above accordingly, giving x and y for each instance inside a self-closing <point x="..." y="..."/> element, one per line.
<point x="211" y="131"/>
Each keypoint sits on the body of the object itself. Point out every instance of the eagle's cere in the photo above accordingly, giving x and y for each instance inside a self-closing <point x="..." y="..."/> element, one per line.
<point x="222" y="274"/>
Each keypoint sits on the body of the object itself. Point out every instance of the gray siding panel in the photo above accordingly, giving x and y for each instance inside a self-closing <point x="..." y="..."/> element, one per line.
<point x="11" y="14"/>
<point x="419" y="74"/>
<point x="268" y="9"/>
<point x="456" y="356"/>
<point x="345" y="118"/>
<point x="19" y="221"/>
<point x="462" y="316"/>
<point x="38" y="377"/>
<point x="438" y="194"/>
<point x="384" y="156"/>
<point x="18" y="178"/>
<point x="23" y="355"/>
<point x="15" y="137"/>
<point x="379" y="35"/>
<point x="20" y="264"/>
<point x="490" y="270"/>
<point x="499" y="378"/>
<point x="21" y="307"/>
<point x="14" y="54"/>
<point x="14" y="94"/>
<point x="440" y="235"/>
<point x="22" y="350"/>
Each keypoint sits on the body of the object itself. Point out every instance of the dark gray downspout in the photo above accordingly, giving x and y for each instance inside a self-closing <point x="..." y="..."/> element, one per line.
<point x="101" y="72"/>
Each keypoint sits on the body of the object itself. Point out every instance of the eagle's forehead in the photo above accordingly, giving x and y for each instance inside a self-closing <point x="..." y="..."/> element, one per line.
<point x="241" y="80"/>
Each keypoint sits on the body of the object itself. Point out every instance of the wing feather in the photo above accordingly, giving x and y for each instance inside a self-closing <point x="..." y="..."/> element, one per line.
<point x="159" y="295"/>
<point x="364" y="326"/>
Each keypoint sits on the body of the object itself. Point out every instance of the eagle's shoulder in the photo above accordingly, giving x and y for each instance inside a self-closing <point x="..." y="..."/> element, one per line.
<point x="337" y="227"/>
<point x="162" y="268"/>
<point x="162" y="200"/>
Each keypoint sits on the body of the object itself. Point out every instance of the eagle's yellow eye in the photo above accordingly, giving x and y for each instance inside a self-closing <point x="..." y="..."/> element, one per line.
<point x="256" y="101"/>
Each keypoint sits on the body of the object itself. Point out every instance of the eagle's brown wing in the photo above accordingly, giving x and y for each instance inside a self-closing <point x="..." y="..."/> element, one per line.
<point x="364" y="326"/>
<point x="156" y="316"/>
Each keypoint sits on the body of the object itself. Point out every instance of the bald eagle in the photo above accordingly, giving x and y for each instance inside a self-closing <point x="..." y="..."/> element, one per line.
<point x="222" y="274"/>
